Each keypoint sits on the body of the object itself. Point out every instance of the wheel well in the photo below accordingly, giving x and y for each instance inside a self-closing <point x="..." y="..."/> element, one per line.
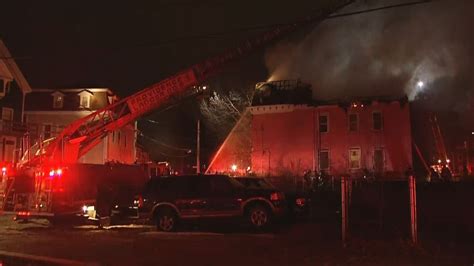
<point x="163" y="208"/>
<point x="254" y="203"/>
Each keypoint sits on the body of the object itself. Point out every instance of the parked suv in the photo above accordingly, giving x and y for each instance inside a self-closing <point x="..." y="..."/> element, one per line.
<point x="297" y="203"/>
<point x="167" y="200"/>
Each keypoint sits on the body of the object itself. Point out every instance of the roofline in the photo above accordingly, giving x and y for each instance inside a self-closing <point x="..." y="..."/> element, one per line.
<point x="6" y="57"/>
<point x="75" y="90"/>
<point x="371" y="99"/>
<point x="59" y="112"/>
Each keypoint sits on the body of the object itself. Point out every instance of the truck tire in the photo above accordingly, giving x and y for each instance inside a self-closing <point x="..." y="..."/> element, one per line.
<point x="258" y="216"/>
<point x="166" y="220"/>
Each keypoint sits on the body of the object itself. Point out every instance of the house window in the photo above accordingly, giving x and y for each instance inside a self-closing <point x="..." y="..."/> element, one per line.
<point x="47" y="131"/>
<point x="323" y="123"/>
<point x="58" y="101"/>
<point x="379" y="160"/>
<point x="377" y="120"/>
<point x="354" y="158"/>
<point x="7" y="114"/>
<point x="353" y="122"/>
<point x="85" y="101"/>
<point x="324" y="159"/>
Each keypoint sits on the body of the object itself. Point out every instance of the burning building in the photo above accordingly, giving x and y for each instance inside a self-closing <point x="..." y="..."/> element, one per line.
<point x="287" y="133"/>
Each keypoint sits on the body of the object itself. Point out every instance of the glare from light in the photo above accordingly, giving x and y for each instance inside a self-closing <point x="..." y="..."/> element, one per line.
<point x="420" y="84"/>
<point x="204" y="87"/>
<point x="234" y="167"/>
<point x="448" y="161"/>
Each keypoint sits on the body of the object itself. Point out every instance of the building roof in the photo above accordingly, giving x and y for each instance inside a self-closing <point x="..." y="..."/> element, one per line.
<point x="10" y="70"/>
<point x="285" y="92"/>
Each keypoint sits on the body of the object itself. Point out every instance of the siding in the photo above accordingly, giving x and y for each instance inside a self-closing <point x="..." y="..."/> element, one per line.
<point x="285" y="140"/>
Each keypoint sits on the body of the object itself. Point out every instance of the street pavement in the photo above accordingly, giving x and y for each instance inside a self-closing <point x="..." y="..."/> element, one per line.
<point x="38" y="243"/>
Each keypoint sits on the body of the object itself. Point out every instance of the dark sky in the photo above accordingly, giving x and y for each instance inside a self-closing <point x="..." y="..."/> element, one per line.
<point x="127" y="46"/>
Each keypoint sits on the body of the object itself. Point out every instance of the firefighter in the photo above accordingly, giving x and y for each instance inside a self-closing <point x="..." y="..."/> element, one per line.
<point x="434" y="174"/>
<point x="446" y="174"/>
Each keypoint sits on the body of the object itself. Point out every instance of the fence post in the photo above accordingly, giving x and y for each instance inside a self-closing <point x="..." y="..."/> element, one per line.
<point x="413" y="212"/>
<point x="344" y="210"/>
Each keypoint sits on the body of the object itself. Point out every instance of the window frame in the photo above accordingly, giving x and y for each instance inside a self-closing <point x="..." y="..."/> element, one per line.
<point x="383" y="158"/>
<point x="329" y="159"/>
<point x="360" y="158"/>
<point x="381" y="121"/>
<point x="85" y="96"/>
<point x="12" y="115"/>
<point x="50" y="130"/>
<point x="356" y="122"/>
<point x="327" y="122"/>
<point x="55" y="101"/>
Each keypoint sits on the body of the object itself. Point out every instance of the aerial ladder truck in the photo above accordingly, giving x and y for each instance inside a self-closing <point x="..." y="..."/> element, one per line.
<point x="58" y="185"/>
<point x="442" y="166"/>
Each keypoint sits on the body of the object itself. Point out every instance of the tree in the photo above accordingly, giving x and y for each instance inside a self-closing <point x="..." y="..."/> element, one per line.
<point x="222" y="110"/>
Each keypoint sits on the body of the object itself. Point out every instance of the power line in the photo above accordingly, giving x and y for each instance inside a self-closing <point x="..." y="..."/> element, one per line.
<point x="379" y="9"/>
<point x="164" y="144"/>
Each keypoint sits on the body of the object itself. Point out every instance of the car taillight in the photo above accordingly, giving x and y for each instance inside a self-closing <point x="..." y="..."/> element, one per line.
<point x="300" y="202"/>
<point x="275" y="196"/>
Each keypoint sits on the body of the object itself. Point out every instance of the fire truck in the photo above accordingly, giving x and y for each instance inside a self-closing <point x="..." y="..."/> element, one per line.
<point x="49" y="182"/>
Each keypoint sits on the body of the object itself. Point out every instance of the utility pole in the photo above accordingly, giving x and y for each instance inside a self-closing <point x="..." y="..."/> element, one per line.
<point x="198" y="147"/>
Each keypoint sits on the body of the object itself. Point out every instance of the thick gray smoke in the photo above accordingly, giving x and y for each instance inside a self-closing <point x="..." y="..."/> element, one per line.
<point x="384" y="53"/>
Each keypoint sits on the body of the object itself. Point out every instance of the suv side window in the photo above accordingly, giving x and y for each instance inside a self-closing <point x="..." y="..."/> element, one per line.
<point x="199" y="186"/>
<point x="220" y="186"/>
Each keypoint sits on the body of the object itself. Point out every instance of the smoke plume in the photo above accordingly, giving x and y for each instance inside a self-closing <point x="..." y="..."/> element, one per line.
<point x="384" y="53"/>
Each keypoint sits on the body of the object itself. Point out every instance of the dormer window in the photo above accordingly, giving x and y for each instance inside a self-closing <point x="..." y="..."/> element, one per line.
<point x="58" y="100"/>
<point x="85" y="99"/>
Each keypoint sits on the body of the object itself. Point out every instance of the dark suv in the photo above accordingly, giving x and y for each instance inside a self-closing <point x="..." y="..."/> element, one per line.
<point x="167" y="200"/>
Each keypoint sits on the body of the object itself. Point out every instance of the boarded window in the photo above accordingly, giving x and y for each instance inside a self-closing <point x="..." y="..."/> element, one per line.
<point x="323" y="123"/>
<point x="324" y="159"/>
<point x="353" y="122"/>
<point x="378" y="160"/>
<point x="377" y="120"/>
<point x="354" y="158"/>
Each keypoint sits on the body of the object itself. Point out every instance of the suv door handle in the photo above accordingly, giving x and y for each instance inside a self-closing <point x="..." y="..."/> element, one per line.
<point x="198" y="202"/>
